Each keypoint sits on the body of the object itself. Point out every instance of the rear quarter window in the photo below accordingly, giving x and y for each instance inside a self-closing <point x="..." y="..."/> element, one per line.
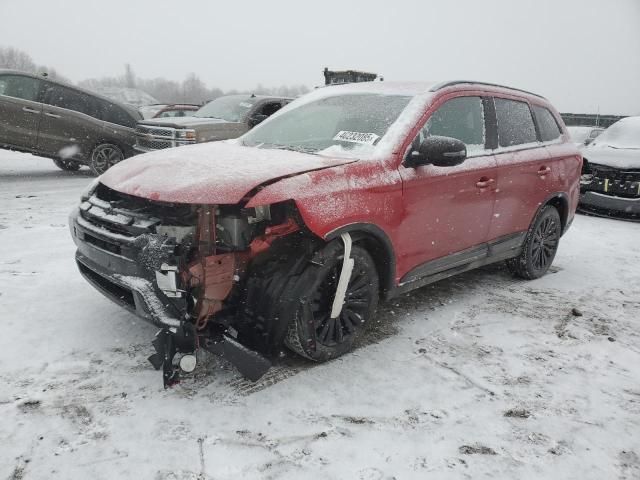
<point x="515" y="123"/>
<point x="549" y="128"/>
<point x="64" y="97"/>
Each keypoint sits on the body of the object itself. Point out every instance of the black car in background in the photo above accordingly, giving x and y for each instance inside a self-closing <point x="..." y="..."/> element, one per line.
<point x="610" y="183"/>
<point x="72" y="126"/>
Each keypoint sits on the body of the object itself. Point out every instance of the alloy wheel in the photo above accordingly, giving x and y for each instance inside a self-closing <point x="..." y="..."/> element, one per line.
<point x="544" y="244"/>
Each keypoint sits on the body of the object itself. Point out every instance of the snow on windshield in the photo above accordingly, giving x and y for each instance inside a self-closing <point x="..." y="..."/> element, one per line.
<point x="624" y="133"/>
<point x="349" y="121"/>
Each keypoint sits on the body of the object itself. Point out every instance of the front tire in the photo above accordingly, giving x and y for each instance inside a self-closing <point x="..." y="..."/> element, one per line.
<point x="66" y="165"/>
<point x="311" y="332"/>
<point x="103" y="157"/>
<point x="540" y="245"/>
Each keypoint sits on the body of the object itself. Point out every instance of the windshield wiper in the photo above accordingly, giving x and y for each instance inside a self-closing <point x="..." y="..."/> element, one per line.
<point x="292" y="148"/>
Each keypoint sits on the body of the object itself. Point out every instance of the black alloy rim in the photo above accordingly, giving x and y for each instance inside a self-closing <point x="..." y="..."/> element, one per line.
<point x="334" y="331"/>
<point x="545" y="243"/>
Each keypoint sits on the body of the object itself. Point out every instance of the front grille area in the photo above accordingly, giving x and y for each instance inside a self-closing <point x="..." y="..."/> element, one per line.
<point x="153" y="144"/>
<point x="157" y="138"/>
<point x="129" y="216"/>
<point x="123" y="294"/>
<point x="611" y="181"/>
<point x="155" y="131"/>
<point x="98" y="242"/>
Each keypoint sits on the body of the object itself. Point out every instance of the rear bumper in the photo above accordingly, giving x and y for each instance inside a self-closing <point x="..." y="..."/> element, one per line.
<point x="120" y="277"/>
<point x="608" y="203"/>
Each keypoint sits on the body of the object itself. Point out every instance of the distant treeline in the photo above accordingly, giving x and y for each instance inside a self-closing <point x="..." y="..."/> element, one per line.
<point x="191" y="90"/>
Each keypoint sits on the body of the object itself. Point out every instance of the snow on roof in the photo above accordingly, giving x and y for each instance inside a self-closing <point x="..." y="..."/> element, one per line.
<point x="132" y="96"/>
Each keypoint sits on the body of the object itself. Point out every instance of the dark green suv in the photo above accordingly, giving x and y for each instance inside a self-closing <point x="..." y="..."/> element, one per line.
<point x="72" y="126"/>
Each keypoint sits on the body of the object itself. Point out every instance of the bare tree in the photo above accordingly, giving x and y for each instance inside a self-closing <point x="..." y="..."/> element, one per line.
<point x="129" y="77"/>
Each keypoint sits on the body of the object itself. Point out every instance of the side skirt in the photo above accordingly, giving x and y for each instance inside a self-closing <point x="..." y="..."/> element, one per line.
<point x="503" y="248"/>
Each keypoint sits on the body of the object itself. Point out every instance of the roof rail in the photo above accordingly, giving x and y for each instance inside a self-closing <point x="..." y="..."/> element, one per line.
<point x="441" y="85"/>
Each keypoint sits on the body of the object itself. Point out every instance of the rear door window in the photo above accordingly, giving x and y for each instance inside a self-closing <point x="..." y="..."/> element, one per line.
<point x="63" y="97"/>
<point x="515" y="123"/>
<point x="549" y="129"/>
<point x="18" y="86"/>
<point x="461" y="118"/>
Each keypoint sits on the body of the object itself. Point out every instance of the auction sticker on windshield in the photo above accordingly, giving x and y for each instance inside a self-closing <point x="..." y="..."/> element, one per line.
<point x="356" y="137"/>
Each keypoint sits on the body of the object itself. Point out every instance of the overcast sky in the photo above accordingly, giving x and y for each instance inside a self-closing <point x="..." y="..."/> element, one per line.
<point x="581" y="54"/>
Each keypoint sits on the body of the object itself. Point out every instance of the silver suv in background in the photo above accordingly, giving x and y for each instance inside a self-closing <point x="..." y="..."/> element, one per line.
<point x="223" y="118"/>
<point x="72" y="126"/>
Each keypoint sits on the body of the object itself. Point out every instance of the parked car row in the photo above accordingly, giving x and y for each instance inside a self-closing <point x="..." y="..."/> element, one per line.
<point x="76" y="127"/>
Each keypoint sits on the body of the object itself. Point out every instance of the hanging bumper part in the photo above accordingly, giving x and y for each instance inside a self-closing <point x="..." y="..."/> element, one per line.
<point x="185" y="340"/>
<point x="345" y="276"/>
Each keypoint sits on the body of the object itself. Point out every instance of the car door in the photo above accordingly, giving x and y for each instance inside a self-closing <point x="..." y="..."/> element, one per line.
<point x="69" y="126"/>
<point x="524" y="168"/>
<point x="20" y="110"/>
<point x="448" y="209"/>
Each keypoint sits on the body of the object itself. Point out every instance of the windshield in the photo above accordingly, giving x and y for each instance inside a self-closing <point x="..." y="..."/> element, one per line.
<point x="331" y="125"/>
<point x="148" y="111"/>
<point x="624" y="133"/>
<point x="231" y="108"/>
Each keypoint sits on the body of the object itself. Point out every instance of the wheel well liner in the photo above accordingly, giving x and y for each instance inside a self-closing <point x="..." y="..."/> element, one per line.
<point x="378" y="244"/>
<point x="561" y="203"/>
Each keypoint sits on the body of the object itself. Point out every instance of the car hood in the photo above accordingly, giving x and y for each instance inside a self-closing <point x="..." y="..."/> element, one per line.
<point x="208" y="173"/>
<point x="182" y="122"/>
<point x="623" y="158"/>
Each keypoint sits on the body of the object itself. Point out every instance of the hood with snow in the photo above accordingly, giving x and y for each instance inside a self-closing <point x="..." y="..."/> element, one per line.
<point x="618" y="146"/>
<point x="209" y="173"/>
<point x="623" y="158"/>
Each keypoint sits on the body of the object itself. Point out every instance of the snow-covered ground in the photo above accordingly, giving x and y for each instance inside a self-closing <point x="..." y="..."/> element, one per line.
<point x="479" y="376"/>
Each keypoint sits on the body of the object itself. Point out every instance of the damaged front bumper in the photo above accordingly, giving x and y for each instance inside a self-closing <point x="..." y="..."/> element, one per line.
<point x="610" y="191"/>
<point x="120" y="267"/>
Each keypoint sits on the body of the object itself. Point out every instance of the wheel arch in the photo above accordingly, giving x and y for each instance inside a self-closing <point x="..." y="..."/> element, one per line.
<point x="378" y="244"/>
<point x="560" y="201"/>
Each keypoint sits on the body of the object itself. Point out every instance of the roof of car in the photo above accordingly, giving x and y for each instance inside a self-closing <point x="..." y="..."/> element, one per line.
<point x="416" y="88"/>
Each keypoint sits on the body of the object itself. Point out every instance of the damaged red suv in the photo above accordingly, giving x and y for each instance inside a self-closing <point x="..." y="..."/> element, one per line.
<point x="289" y="235"/>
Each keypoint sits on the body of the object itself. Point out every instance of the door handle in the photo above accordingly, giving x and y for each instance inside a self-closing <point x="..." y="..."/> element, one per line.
<point x="30" y="110"/>
<point x="544" y="171"/>
<point x="52" y="115"/>
<point x="484" y="182"/>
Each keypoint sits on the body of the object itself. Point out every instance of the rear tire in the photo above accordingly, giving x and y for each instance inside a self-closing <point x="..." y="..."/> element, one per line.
<point x="311" y="332"/>
<point x="540" y="245"/>
<point x="103" y="157"/>
<point x="67" y="165"/>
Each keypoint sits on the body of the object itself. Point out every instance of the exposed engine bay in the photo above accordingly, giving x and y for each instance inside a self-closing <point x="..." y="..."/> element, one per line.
<point x="182" y="267"/>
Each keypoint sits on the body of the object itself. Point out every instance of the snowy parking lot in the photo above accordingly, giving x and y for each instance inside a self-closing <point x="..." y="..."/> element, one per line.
<point x="478" y="376"/>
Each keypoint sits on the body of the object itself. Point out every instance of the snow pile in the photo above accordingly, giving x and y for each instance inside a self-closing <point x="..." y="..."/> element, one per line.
<point x="478" y="376"/>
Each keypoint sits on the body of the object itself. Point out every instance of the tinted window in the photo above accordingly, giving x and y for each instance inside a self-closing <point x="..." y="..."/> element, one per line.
<point x="64" y="97"/>
<point x="114" y="114"/>
<point x="549" y="129"/>
<point x="17" y="86"/>
<point x="461" y="118"/>
<point x="515" y="123"/>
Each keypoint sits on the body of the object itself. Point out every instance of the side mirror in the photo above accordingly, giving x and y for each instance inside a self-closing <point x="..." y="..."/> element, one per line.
<point x="438" y="151"/>
<point x="256" y="119"/>
<point x="588" y="141"/>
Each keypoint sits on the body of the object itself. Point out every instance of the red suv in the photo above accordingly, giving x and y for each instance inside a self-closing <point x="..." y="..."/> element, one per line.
<point x="289" y="235"/>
